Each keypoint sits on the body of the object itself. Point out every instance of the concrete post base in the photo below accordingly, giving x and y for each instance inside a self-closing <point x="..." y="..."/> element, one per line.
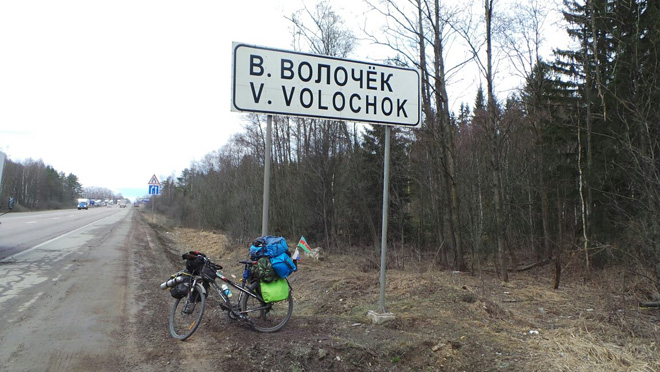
<point x="378" y="318"/>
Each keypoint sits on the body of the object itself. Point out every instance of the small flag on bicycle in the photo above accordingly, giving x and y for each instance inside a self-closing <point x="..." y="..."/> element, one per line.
<point x="303" y="244"/>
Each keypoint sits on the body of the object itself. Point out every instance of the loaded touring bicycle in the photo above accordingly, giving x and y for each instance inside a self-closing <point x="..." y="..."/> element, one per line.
<point x="263" y="295"/>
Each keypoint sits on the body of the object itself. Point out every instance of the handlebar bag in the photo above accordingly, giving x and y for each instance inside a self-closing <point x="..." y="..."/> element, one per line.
<point x="194" y="261"/>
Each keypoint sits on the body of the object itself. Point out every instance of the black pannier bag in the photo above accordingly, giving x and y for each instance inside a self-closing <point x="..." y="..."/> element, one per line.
<point x="180" y="290"/>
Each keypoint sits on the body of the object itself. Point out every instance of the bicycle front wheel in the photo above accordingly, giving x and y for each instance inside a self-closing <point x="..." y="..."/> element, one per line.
<point x="187" y="313"/>
<point x="266" y="317"/>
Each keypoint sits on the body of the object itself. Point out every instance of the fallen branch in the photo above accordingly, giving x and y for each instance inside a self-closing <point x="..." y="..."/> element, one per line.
<point x="535" y="264"/>
<point x="649" y="304"/>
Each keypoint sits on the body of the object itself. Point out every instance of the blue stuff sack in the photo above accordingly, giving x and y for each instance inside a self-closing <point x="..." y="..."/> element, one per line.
<point x="268" y="246"/>
<point x="283" y="265"/>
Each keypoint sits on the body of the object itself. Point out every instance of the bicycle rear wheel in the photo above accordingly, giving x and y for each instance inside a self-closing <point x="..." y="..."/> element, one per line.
<point x="187" y="313"/>
<point x="266" y="317"/>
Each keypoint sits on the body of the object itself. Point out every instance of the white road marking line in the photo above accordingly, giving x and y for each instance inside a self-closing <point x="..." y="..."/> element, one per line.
<point x="8" y="258"/>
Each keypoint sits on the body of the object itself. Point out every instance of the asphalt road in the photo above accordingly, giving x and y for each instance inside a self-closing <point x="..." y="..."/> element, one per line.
<point x="63" y="289"/>
<point x="21" y="232"/>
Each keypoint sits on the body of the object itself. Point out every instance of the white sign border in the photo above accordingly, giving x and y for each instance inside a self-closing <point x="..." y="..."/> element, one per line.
<point x="234" y="107"/>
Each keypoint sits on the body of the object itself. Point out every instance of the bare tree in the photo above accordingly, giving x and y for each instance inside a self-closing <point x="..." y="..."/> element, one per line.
<point x="416" y="30"/>
<point x="475" y="41"/>
<point x="325" y="146"/>
<point x="326" y="35"/>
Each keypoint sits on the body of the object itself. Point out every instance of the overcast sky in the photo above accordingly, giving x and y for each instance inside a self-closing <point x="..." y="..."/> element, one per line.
<point x="116" y="91"/>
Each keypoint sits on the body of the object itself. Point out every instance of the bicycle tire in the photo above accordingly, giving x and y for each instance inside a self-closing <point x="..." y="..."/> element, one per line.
<point x="266" y="317"/>
<point x="182" y="324"/>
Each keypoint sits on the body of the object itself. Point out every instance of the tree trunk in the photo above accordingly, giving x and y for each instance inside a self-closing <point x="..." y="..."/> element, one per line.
<point x="442" y="103"/>
<point x="560" y="238"/>
<point x="494" y="158"/>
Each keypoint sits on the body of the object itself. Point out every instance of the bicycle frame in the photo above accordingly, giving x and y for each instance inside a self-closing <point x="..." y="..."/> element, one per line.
<point x="240" y="288"/>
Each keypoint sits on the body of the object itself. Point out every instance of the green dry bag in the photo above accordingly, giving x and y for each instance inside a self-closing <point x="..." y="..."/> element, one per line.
<point x="277" y="290"/>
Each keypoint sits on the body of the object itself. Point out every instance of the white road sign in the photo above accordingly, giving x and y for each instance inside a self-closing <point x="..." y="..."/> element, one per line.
<point x="278" y="82"/>
<point x="154" y="181"/>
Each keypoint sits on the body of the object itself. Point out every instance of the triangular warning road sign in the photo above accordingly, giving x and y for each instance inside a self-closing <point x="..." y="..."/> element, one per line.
<point x="154" y="181"/>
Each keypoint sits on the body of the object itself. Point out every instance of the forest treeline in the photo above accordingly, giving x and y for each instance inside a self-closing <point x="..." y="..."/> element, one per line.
<point x="35" y="185"/>
<point x="566" y="165"/>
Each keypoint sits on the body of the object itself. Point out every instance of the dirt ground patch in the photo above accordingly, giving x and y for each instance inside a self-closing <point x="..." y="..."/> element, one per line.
<point x="444" y="321"/>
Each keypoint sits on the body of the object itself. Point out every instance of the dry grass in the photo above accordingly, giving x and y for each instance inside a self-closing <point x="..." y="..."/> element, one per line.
<point x="575" y="349"/>
<point x="592" y="325"/>
<point x="214" y="245"/>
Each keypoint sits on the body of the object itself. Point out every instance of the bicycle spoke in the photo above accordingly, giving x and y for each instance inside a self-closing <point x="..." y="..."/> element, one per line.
<point x="264" y="317"/>
<point x="186" y="316"/>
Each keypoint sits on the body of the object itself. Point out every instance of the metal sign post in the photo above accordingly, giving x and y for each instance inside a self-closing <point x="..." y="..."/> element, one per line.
<point x="266" y="201"/>
<point x="383" y="233"/>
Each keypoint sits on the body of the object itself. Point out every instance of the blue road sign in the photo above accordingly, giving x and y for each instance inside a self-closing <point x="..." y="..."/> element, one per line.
<point x="153" y="190"/>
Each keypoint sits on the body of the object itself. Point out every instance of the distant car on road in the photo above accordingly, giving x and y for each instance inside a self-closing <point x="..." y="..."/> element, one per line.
<point x="136" y="204"/>
<point x="82" y="205"/>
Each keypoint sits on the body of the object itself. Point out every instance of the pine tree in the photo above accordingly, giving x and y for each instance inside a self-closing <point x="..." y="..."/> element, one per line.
<point x="373" y="152"/>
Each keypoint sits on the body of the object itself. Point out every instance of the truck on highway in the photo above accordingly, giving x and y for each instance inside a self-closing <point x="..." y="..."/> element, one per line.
<point x="83" y="203"/>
